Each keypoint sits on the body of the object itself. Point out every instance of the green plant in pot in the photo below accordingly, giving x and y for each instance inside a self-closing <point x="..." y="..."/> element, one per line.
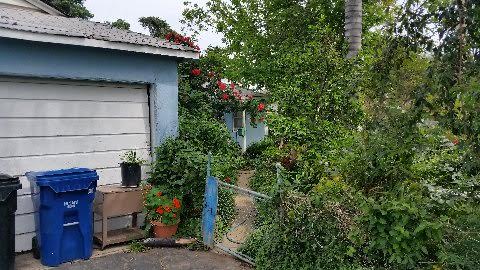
<point x="131" y="169"/>
<point x="162" y="212"/>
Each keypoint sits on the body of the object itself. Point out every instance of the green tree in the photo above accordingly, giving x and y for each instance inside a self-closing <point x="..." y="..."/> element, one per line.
<point x="264" y="39"/>
<point x="71" y="8"/>
<point x="156" y="26"/>
<point x="120" y="24"/>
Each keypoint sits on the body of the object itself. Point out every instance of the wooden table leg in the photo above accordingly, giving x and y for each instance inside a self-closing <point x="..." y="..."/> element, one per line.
<point x="104" y="230"/>
<point x="134" y="220"/>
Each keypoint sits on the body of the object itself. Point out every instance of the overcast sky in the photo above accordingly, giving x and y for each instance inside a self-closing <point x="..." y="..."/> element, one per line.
<point x="169" y="10"/>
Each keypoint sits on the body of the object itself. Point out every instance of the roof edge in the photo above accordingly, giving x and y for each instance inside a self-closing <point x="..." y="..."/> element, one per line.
<point x="45" y="7"/>
<point x="95" y="43"/>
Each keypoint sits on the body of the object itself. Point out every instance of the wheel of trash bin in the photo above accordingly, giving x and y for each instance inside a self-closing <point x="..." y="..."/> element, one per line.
<point x="35" y="248"/>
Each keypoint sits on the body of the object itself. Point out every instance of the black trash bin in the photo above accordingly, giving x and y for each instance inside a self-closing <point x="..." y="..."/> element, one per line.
<point x="8" y="205"/>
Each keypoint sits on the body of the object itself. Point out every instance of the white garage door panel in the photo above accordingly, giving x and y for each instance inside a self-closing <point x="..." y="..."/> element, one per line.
<point x="14" y="89"/>
<point x="23" y="223"/>
<point x="57" y="127"/>
<point x="21" y="165"/>
<point x="71" y="109"/>
<point x="107" y="177"/>
<point x="27" y="146"/>
<point x="23" y="241"/>
<point x="47" y="125"/>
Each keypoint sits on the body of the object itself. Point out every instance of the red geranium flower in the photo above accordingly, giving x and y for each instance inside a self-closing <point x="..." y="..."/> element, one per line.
<point x="196" y="72"/>
<point x="176" y="203"/>
<point x="261" y="107"/>
<point x="225" y="96"/>
<point x="168" y="209"/>
<point x="160" y="210"/>
<point x="159" y="194"/>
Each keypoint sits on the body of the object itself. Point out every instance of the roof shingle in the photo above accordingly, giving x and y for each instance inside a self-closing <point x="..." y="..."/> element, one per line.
<point x="37" y="22"/>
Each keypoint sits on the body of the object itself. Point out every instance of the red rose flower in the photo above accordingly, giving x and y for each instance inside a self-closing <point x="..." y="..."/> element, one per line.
<point x="159" y="194"/>
<point x="225" y="96"/>
<point x="196" y="72"/>
<point x="160" y="210"/>
<point x="176" y="203"/>
<point x="261" y="107"/>
<point x="221" y="85"/>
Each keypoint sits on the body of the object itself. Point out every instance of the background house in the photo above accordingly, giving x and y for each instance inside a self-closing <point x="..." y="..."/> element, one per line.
<point x="76" y="93"/>
<point x="240" y="127"/>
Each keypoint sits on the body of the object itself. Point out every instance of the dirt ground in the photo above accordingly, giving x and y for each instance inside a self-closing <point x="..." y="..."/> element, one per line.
<point x="242" y="225"/>
<point x="159" y="258"/>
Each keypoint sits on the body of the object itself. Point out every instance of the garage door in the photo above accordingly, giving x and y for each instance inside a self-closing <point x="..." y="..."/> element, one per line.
<point x="48" y="125"/>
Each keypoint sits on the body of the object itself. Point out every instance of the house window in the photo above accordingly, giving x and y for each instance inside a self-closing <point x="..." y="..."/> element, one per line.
<point x="237" y="120"/>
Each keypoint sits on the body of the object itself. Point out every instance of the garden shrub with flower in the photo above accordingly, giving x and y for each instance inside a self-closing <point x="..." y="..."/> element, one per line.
<point x="161" y="206"/>
<point x="380" y="153"/>
<point x="180" y="163"/>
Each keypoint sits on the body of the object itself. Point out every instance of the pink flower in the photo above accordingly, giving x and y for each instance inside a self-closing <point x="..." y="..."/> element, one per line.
<point x="232" y="86"/>
<point x="250" y="96"/>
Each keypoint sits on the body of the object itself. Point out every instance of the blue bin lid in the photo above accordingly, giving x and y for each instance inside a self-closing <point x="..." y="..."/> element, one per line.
<point x="64" y="180"/>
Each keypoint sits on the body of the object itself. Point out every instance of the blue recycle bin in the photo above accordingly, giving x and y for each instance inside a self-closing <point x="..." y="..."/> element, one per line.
<point x="63" y="201"/>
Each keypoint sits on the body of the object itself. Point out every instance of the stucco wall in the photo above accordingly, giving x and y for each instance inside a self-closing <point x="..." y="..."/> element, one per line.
<point x="253" y="134"/>
<point x="44" y="60"/>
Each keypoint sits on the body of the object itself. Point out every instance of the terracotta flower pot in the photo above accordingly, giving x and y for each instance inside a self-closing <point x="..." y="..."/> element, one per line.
<point x="161" y="230"/>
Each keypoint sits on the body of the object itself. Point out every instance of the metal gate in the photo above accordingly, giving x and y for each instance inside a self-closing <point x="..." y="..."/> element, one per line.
<point x="210" y="212"/>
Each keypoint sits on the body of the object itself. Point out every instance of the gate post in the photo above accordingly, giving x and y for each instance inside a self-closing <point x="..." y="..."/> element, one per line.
<point x="209" y="207"/>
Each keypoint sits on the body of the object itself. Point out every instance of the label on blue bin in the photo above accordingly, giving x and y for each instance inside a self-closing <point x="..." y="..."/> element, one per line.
<point x="70" y="204"/>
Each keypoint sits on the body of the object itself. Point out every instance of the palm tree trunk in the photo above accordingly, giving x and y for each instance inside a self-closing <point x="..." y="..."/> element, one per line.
<point x="461" y="28"/>
<point x="353" y="26"/>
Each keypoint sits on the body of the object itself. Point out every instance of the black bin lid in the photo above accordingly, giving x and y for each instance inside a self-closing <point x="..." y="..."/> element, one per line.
<point x="6" y="179"/>
<point x="7" y="185"/>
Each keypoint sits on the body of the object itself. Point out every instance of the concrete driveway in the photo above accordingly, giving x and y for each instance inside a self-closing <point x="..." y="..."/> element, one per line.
<point x="158" y="258"/>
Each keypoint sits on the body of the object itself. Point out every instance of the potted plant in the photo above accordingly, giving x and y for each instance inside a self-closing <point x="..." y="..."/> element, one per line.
<point x="162" y="212"/>
<point x="131" y="169"/>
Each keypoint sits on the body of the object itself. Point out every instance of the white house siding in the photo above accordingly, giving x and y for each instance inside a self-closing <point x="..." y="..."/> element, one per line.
<point x="47" y="125"/>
